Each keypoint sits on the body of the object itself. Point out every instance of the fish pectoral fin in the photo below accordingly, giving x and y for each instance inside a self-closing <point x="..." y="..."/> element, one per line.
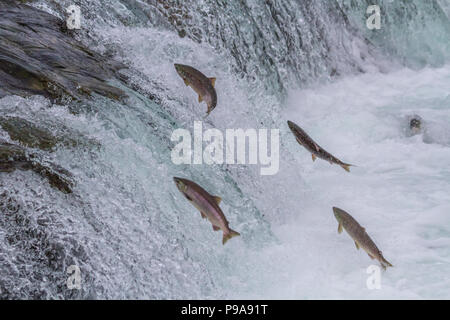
<point x="200" y="99"/>
<point x="371" y="256"/>
<point x="217" y="199"/>
<point x="313" y="157"/>
<point x="357" y="245"/>
<point x="298" y="140"/>
<point x="203" y="215"/>
<point x="213" y="81"/>
<point x="340" y="228"/>
<point x="186" y="82"/>
<point x="215" y="228"/>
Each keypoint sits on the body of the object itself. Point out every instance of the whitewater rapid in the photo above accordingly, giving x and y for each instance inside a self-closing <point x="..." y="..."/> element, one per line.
<point x="397" y="189"/>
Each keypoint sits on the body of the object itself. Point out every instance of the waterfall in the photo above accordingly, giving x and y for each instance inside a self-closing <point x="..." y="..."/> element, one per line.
<point x="133" y="234"/>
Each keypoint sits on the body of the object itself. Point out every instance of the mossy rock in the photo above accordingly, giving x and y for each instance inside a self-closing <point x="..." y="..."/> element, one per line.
<point x="28" y="134"/>
<point x="38" y="57"/>
<point x="14" y="157"/>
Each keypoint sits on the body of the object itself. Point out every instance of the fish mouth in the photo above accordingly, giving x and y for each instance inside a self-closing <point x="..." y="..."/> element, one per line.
<point x="177" y="68"/>
<point x="336" y="212"/>
<point x="291" y="125"/>
<point x="180" y="184"/>
<point x="177" y="180"/>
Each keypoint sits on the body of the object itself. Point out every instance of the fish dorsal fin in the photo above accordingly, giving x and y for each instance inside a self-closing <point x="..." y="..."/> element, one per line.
<point x="217" y="199"/>
<point x="213" y="81"/>
<point x="340" y="228"/>
<point x="200" y="99"/>
<point x="357" y="245"/>
<point x="313" y="157"/>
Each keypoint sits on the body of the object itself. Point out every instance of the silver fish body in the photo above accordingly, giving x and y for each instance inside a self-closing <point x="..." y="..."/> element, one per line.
<point x="316" y="151"/>
<point x="201" y="84"/>
<point x="359" y="235"/>
<point x="208" y="206"/>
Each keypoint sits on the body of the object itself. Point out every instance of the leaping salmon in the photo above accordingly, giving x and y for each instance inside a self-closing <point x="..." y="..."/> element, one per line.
<point x="201" y="84"/>
<point x="359" y="235"/>
<point x="316" y="150"/>
<point x="208" y="206"/>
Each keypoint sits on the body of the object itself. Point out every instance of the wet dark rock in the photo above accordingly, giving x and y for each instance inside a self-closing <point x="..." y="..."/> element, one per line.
<point x="14" y="157"/>
<point x="30" y="135"/>
<point x="38" y="57"/>
<point x="414" y="126"/>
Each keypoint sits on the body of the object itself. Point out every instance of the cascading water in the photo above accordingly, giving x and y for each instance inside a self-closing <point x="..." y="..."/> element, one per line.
<point x="133" y="234"/>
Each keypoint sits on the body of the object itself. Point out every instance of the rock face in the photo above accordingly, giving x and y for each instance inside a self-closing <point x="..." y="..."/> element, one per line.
<point x="28" y="134"/>
<point x="13" y="157"/>
<point x="38" y="57"/>
<point x="31" y="135"/>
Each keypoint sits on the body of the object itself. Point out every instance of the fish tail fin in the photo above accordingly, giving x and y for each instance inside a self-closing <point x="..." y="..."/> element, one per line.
<point x="347" y="166"/>
<point x="229" y="235"/>
<point x="208" y="112"/>
<point x="387" y="263"/>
